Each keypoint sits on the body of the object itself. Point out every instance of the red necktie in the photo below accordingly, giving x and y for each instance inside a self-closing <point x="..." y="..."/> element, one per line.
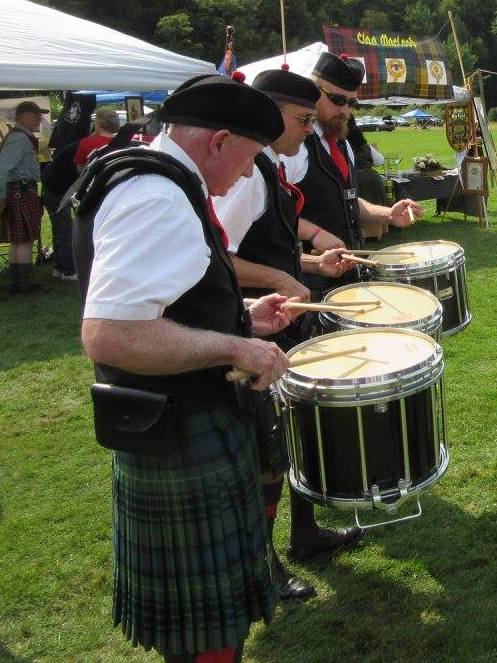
<point x="338" y="158"/>
<point x="216" y="222"/>
<point x="292" y="189"/>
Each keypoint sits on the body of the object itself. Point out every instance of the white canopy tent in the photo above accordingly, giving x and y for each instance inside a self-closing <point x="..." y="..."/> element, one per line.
<point x="45" y="49"/>
<point x="302" y="62"/>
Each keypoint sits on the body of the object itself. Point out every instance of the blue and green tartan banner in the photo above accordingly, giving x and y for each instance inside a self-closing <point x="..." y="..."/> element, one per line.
<point x="396" y="65"/>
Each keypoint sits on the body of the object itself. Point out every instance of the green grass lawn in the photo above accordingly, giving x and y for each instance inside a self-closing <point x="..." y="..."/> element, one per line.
<point x="425" y="590"/>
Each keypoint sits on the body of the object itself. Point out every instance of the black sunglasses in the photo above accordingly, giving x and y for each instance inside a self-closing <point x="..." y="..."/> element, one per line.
<point x="340" y="99"/>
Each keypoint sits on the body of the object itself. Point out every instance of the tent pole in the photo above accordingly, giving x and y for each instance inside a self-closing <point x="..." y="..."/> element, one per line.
<point x="283" y="28"/>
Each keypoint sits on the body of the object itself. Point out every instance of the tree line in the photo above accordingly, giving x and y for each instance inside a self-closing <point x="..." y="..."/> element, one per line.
<point x="197" y="27"/>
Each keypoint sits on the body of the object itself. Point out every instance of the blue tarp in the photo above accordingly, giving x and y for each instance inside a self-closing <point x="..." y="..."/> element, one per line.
<point x="417" y="113"/>
<point x="106" y="97"/>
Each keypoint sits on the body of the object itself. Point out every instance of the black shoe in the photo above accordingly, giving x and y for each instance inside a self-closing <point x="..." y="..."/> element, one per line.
<point x="321" y="541"/>
<point x="291" y="588"/>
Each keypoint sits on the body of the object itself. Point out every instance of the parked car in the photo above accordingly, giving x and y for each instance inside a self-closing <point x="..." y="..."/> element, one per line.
<point x="436" y="122"/>
<point x="371" y="123"/>
<point x="431" y="121"/>
<point x="397" y="120"/>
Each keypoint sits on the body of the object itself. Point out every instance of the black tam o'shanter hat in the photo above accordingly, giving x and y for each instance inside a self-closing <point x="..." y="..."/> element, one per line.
<point x="342" y="71"/>
<point x="217" y="102"/>
<point x="283" y="85"/>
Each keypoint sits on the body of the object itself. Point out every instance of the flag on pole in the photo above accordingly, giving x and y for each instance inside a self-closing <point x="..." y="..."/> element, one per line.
<point x="228" y="63"/>
<point x="396" y="65"/>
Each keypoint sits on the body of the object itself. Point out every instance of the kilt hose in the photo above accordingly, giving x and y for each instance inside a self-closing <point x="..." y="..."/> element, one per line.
<point x="20" y="222"/>
<point x="191" y="562"/>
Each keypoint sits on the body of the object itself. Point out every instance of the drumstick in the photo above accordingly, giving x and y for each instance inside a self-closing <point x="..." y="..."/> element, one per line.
<point x="236" y="374"/>
<point x="412" y="219"/>
<point x="305" y="306"/>
<point x="360" y="261"/>
<point x="320" y="307"/>
<point x="383" y="252"/>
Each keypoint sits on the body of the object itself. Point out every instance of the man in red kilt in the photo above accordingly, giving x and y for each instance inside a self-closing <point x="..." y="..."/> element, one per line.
<point x="21" y="209"/>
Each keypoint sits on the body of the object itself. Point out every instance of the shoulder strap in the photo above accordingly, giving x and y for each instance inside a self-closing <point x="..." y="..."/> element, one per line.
<point x="106" y="172"/>
<point x="102" y="175"/>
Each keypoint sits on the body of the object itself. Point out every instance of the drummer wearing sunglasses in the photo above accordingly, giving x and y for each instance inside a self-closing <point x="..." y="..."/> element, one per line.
<point x="324" y="170"/>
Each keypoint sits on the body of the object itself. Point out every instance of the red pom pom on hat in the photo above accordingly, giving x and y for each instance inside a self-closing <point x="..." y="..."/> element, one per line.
<point x="238" y="77"/>
<point x="285" y="66"/>
<point x="344" y="57"/>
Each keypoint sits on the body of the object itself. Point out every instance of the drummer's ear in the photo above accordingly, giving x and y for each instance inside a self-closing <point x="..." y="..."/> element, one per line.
<point x="219" y="140"/>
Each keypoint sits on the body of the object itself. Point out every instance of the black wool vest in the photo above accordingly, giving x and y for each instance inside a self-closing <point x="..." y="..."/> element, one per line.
<point x="272" y="239"/>
<point x="326" y="202"/>
<point x="214" y="303"/>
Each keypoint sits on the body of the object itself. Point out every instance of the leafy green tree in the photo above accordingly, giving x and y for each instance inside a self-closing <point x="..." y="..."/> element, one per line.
<point x="174" y="32"/>
<point x="418" y="19"/>
<point x="375" y="20"/>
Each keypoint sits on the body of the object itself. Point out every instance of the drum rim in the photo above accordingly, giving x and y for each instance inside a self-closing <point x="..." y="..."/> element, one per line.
<point x="367" y="502"/>
<point x="432" y="267"/>
<point x="430" y="322"/>
<point x="342" y="392"/>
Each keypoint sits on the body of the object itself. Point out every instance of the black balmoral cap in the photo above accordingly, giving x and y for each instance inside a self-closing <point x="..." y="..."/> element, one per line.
<point x="217" y="102"/>
<point x="283" y="85"/>
<point x="343" y="71"/>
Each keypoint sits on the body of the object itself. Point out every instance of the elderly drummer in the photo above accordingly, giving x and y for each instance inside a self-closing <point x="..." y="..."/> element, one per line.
<point x="324" y="171"/>
<point x="260" y="216"/>
<point x="164" y="315"/>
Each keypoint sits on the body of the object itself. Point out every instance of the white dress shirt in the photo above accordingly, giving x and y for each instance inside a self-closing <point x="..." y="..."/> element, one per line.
<point x="296" y="167"/>
<point x="149" y="246"/>
<point x="244" y="204"/>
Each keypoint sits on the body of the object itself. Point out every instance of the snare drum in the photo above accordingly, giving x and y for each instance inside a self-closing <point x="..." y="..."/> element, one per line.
<point x="398" y="305"/>
<point x="366" y="429"/>
<point x="438" y="266"/>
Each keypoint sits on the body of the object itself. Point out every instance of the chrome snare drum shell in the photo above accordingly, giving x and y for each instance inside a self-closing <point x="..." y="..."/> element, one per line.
<point x="420" y="310"/>
<point x="438" y="266"/>
<point x="313" y="383"/>
<point x="365" y="425"/>
<point x="430" y="258"/>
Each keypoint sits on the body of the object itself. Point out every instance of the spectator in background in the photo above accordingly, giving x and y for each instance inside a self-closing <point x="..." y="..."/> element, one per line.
<point x="106" y="126"/>
<point x="21" y="209"/>
<point x="56" y="178"/>
<point x="369" y="182"/>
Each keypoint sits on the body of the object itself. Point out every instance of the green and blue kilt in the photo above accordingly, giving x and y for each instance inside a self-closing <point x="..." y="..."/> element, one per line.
<point x="191" y="566"/>
<point x="270" y="434"/>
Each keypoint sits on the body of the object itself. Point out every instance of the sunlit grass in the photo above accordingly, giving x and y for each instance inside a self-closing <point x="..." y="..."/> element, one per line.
<point x="425" y="590"/>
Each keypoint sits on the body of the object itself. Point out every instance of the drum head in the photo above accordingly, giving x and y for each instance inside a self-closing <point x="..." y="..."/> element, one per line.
<point x="399" y="305"/>
<point x="437" y="252"/>
<point x="368" y="365"/>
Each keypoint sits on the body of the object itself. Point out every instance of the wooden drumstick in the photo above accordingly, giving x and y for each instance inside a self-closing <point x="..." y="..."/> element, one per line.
<point x="412" y="218"/>
<point x="360" y="261"/>
<point x="306" y="306"/>
<point x="236" y="374"/>
<point x="383" y="252"/>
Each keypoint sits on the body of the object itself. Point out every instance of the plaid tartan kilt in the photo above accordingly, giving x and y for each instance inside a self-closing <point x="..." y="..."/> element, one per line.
<point x="20" y="221"/>
<point x="270" y="435"/>
<point x="191" y="567"/>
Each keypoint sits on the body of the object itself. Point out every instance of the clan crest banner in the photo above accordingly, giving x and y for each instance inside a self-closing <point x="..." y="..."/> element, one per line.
<point x="396" y="65"/>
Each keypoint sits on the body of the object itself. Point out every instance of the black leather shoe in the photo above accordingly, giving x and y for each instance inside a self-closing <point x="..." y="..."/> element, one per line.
<point x="320" y="541"/>
<point x="291" y="588"/>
